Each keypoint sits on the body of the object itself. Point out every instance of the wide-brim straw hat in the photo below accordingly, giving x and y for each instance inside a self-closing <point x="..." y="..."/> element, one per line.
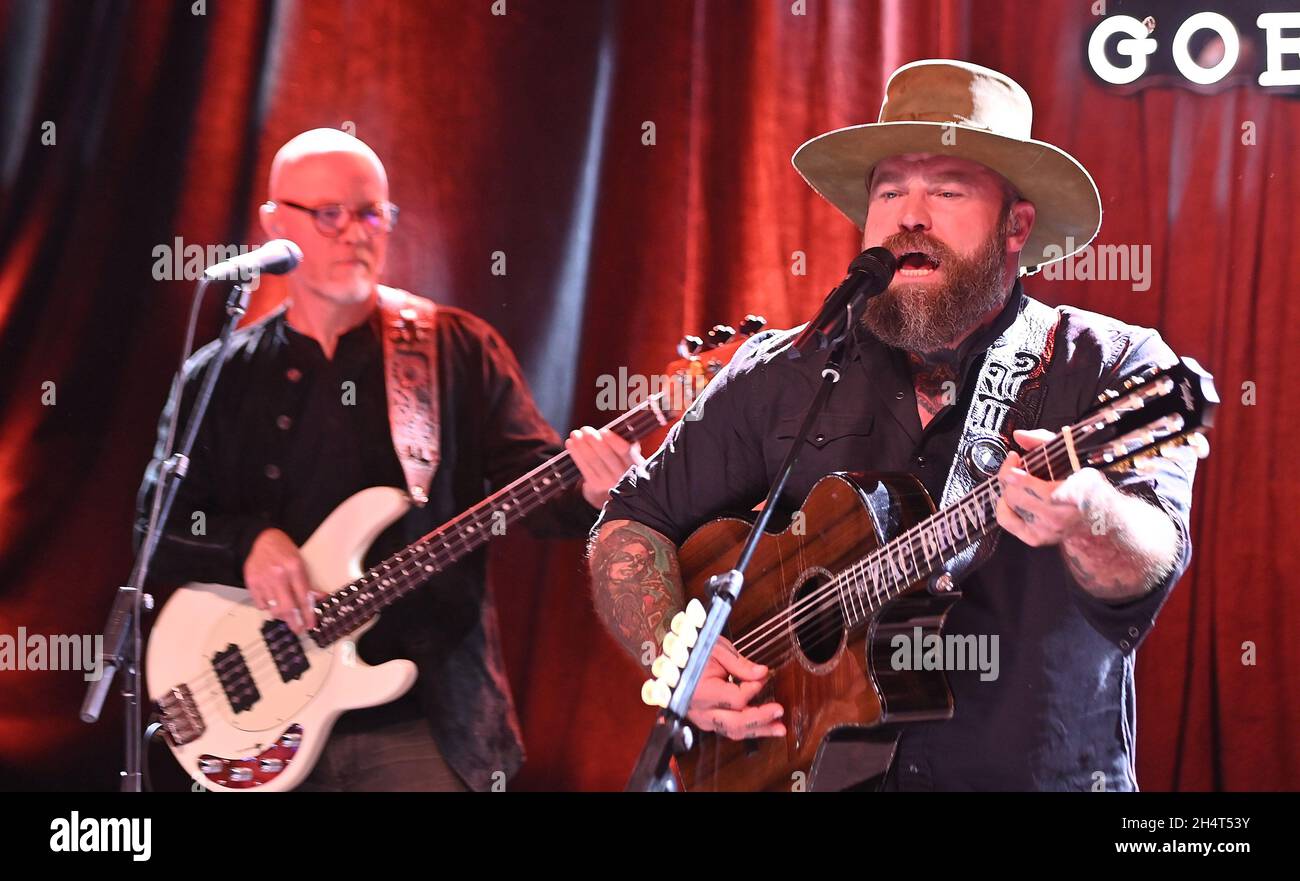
<point x="959" y="109"/>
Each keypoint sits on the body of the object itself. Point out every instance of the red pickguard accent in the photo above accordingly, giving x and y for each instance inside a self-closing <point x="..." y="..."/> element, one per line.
<point x="254" y="763"/>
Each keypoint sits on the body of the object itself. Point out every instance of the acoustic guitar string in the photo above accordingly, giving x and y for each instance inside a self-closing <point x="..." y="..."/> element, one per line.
<point x="831" y="594"/>
<point x="786" y="646"/>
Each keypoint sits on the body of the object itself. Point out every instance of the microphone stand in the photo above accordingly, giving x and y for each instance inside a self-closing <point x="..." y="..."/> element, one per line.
<point x="122" y="639"/>
<point x="671" y="735"/>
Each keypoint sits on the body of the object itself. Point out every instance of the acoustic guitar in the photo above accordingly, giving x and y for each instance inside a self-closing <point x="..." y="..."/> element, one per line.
<point x="821" y="603"/>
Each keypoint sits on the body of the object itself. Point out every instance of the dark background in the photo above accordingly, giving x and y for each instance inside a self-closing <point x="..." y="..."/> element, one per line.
<point x="522" y="133"/>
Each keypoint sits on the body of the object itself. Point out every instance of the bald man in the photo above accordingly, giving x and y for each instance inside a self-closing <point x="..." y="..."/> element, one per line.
<point x="282" y="446"/>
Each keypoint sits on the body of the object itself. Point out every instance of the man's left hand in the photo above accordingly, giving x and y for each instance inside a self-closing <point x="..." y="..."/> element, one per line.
<point x="602" y="457"/>
<point x="1042" y="513"/>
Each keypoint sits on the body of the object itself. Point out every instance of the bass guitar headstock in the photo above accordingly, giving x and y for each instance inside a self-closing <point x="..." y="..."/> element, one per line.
<point x="702" y="359"/>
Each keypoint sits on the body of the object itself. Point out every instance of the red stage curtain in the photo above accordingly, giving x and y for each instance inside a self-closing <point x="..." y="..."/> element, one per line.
<point x="525" y="134"/>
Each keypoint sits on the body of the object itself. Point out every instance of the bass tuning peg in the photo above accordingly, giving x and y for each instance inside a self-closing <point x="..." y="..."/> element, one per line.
<point x="719" y="334"/>
<point x="689" y="345"/>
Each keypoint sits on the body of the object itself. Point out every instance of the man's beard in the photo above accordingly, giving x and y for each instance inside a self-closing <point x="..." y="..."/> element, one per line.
<point x="927" y="317"/>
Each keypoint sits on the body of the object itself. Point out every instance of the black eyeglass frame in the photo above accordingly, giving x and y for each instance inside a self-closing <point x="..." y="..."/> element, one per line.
<point x="388" y="223"/>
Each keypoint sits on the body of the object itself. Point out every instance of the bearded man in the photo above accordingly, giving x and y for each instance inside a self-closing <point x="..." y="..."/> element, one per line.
<point x="951" y="183"/>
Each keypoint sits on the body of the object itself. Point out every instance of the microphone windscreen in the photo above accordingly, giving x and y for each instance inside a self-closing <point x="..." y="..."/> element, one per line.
<point x="876" y="262"/>
<point x="283" y="256"/>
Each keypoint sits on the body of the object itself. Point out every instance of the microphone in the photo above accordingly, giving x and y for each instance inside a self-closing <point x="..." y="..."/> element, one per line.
<point x="869" y="274"/>
<point x="276" y="257"/>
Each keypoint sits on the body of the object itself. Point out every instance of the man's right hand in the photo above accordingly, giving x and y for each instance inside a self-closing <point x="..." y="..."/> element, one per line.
<point x="277" y="578"/>
<point x="723" y="707"/>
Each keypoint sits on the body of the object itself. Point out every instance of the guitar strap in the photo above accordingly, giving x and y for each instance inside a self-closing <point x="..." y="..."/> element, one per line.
<point x="411" y="381"/>
<point x="1008" y="396"/>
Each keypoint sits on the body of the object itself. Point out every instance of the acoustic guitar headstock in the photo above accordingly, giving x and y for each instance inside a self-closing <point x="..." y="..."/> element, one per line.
<point x="1150" y="414"/>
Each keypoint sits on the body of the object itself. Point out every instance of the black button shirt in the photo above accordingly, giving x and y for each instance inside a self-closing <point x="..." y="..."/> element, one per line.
<point x="290" y="434"/>
<point x="1060" y="713"/>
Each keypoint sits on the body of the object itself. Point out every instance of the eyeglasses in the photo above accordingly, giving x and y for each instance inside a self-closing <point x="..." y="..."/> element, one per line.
<point x="333" y="219"/>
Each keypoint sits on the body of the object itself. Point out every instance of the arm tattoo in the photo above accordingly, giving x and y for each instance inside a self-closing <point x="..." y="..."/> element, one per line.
<point x="636" y="584"/>
<point x="1138" y="552"/>
<point x="1087" y="580"/>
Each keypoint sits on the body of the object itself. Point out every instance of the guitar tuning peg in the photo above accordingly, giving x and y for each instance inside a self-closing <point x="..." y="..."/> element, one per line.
<point x="752" y="324"/>
<point x="719" y="334"/>
<point x="671" y="641"/>
<point x="695" y="613"/>
<point x="677" y="650"/>
<point x="655" y="693"/>
<point x="1144" y="464"/>
<point x="679" y="644"/>
<point x="1196" y="442"/>
<point x="689" y="346"/>
<point x="664" y="668"/>
<point x="684" y="629"/>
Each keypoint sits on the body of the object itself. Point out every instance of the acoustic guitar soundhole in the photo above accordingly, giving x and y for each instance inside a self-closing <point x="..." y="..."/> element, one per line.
<point x="817" y="619"/>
